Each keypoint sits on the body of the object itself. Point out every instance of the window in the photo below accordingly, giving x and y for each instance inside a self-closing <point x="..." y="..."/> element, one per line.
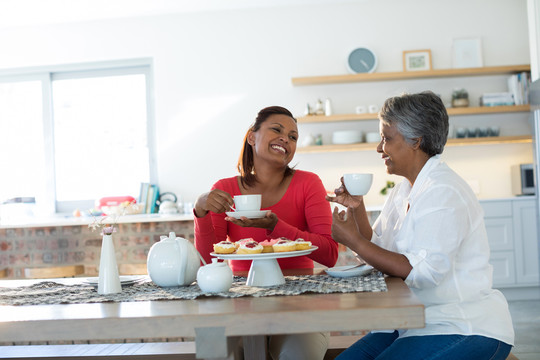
<point x="71" y="137"/>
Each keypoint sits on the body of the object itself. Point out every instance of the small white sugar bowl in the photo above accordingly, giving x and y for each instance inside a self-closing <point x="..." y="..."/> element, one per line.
<point x="215" y="277"/>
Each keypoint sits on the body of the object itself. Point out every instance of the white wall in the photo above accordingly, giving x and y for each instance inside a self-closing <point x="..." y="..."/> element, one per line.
<point x="215" y="70"/>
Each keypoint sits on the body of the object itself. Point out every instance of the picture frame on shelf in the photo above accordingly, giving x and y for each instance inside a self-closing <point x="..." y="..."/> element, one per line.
<point x="417" y="60"/>
<point x="467" y="53"/>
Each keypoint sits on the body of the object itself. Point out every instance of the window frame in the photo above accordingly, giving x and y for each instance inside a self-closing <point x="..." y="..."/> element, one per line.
<point x="46" y="202"/>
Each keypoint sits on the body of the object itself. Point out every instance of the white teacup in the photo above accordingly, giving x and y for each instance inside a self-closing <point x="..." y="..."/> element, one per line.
<point x="358" y="184"/>
<point x="247" y="202"/>
<point x="361" y="109"/>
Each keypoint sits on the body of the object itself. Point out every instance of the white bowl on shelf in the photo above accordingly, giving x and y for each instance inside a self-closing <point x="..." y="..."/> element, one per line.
<point x="347" y="137"/>
<point x="373" y="137"/>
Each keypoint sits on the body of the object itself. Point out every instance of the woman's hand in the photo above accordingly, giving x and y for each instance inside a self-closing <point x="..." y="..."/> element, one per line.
<point x="344" y="198"/>
<point x="217" y="201"/>
<point x="345" y="229"/>
<point x="268" y="222"/>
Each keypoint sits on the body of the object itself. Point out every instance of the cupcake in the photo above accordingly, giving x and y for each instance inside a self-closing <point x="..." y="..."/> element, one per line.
<point x="241" y="241"/>
<point x="283" y="245"/>
<point x="302" y="244"/>
<point x="250" y="247"/>
<point x="224" y="247"/>
<point x="268" y="245"/>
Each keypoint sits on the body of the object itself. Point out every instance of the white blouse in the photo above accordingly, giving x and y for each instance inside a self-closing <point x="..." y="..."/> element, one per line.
<point x="444" y="237"/>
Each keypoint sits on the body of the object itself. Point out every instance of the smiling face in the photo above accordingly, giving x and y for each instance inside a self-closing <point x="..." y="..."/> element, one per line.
<point x="398" y="155"/>
<point x="275" y="141"/>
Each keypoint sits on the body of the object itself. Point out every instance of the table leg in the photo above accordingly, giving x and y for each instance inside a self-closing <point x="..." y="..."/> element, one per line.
<point x="211" y="343"/>
<point x="255" y="347"/>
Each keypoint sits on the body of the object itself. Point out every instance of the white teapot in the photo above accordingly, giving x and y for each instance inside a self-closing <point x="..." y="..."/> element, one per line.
<point x="173" y="261"/>
<point x="215" y="277"/>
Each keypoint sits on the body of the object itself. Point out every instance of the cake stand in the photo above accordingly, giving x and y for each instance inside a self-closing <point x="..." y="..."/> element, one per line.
<point x="265" y="270"/>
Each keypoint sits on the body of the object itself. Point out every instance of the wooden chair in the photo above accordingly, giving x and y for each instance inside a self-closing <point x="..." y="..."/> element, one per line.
<point x="53" y="272"/>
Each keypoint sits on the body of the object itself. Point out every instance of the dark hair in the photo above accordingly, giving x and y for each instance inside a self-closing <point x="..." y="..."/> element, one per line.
<point x="245" y="162"/>
<point x="421" y="115"/>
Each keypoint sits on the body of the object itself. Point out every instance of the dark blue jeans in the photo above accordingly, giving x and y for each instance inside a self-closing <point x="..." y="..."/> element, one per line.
<point x="387" y="346"/>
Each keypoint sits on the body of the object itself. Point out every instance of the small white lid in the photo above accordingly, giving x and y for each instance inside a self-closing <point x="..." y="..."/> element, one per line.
<point x="215" y="263"/>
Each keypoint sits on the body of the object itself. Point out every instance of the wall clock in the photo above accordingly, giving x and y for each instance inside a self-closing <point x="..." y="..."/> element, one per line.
<point x="362" y="60"/>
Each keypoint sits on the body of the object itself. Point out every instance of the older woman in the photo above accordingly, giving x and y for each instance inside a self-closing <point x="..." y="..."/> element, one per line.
<point x="430" y="233"/>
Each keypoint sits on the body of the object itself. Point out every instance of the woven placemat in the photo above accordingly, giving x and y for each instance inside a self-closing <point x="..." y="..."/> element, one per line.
<point x="48" y="292"/>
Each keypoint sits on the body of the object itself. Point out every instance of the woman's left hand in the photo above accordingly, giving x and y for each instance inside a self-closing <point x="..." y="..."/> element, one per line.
<point x="344" y="228"/>
<point x="343" y="197"/>
<point x="268" y="222"/>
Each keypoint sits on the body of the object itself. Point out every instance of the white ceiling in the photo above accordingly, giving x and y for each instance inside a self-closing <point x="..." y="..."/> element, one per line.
<point x="38" y="12"/>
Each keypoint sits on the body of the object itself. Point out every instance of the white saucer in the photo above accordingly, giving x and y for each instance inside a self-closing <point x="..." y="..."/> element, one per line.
<point x="124" y="280"/>
<point x="349" y="270"/>
<point x="256" y="214"/>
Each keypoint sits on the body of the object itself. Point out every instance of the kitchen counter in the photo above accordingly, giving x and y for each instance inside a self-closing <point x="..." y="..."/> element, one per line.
<point x="68" y="220"/>
<point x="65" y="220"/>
<point x="375" y="208"/>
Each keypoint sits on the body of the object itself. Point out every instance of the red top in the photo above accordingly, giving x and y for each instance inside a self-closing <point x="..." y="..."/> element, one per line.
<point x="303" y="212"/>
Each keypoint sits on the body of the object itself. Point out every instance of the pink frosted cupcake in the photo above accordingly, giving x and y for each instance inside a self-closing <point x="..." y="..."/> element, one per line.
<point x="268" y="245"/>
<point x="241" y="241"/>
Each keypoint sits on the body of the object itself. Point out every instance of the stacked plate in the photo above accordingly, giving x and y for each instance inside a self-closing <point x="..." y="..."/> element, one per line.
<point x="347" y="137"/>
<point x="124" y="280"/>
<point x="372" y="137"/>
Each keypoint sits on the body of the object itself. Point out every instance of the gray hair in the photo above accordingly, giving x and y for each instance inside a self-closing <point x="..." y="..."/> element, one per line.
<point x="415" y="116"/>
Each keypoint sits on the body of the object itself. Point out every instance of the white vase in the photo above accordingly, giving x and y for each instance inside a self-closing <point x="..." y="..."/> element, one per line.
<point x="109" y="280"/>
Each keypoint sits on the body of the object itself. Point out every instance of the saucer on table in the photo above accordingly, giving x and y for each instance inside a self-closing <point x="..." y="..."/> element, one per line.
<point x="349" y="270"/>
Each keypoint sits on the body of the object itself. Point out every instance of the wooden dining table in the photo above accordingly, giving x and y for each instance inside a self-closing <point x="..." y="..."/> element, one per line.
<point x="216" y="323"/>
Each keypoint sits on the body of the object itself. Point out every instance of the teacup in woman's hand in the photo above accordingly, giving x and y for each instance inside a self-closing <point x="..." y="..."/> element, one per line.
<point x="247" y="202"/>
<point x="357" y="184"/>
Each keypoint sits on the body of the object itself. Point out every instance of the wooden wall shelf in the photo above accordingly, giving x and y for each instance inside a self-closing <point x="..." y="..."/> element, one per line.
<point x="407" y="75"/>
<point x="451" y="112"/>
<point x="495" y="140"/>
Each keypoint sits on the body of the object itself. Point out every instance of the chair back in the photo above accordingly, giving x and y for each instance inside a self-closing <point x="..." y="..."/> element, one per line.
<point x="132" y="269"/>
<point x="53" y="272"/>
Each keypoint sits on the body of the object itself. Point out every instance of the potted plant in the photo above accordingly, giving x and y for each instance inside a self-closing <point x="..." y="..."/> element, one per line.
<point x="460" y="98"/>
<point x="388" y="186"/>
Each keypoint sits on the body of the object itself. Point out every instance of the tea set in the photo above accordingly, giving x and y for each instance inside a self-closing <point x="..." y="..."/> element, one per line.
<point x="247" y="206"/>
<point x="174" y="261"/>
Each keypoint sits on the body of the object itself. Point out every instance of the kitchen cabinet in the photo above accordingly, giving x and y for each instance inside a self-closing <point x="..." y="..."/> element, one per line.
<point x="526" y="243"/>
<point x="411" y="76"/>
<point x="512" y="233"/>
<point x="500" y="230"/>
